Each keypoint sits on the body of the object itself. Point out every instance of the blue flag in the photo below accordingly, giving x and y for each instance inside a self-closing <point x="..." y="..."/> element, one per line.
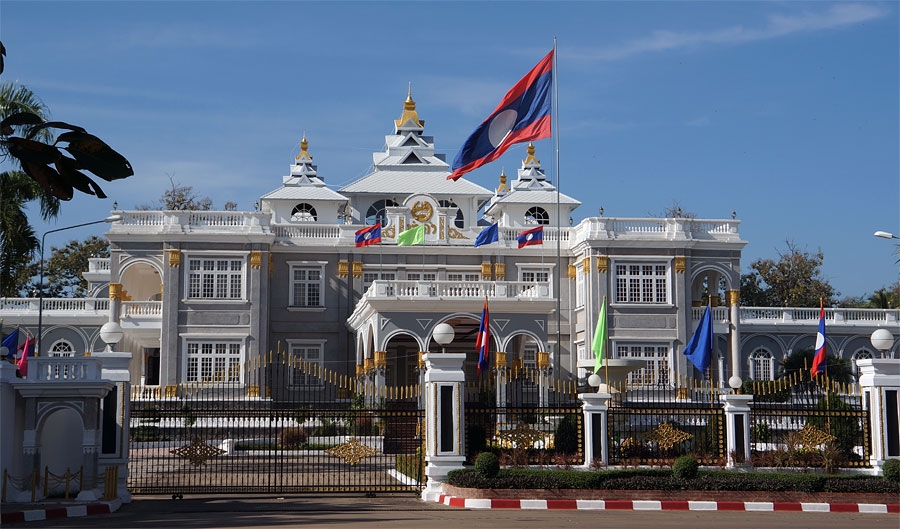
<point x="488" y="235"/>
<point x="699" y="348"/>
<point x="11" y="342"/>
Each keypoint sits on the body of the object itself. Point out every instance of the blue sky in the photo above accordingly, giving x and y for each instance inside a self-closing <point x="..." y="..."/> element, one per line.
<point x="785" y="112"/>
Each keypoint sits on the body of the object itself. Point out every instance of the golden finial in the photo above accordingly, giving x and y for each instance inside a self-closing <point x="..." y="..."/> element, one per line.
<point x="409" y="110"/>
<point x="503" y="187"/>
<point x="531" y="158"/>
<point x="303" y="146"/>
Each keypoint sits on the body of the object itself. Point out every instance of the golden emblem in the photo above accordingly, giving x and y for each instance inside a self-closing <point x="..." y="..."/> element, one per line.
<point x="198" y="452"/>
<point x="421" y="210"/>
<point x="667" y="436"/>
<point x="352" y="451"/>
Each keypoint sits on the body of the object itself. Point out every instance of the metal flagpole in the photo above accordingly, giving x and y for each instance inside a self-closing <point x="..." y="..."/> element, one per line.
<point x="555" y="132"/>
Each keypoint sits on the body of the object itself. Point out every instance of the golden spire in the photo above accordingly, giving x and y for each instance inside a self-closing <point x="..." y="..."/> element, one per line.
<point x="409" y="110"/>
<point x="503" y="187"/>
<point x="303" y="146"/>
<point x="531" y="158"/>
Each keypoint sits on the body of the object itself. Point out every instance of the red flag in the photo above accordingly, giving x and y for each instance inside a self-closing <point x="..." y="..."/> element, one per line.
<point x="820" y="360"/>
<point x="22" y="365"/>
<point x="484" y="340"/>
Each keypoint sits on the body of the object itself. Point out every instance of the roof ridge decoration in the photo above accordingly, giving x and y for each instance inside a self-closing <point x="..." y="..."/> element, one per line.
<point x="503" y="188"/>
<point x="409" y="120"/>
<point x="303" y="167"/>
<point x="530" y="170"/>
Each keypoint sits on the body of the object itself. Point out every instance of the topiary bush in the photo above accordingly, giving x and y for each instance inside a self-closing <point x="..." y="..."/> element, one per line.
<point x="292" y="438"/>
<point x="487" y="465"/>
<point x="565" y="439"/>
<point x="685" y="467"/>
<point x="891" y="470"/>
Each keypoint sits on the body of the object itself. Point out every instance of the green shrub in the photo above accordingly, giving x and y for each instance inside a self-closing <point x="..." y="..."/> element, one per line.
<point x="487" y="465"/>
<point x="292" y="438"/>
<point x="685" y="467"/>
<point x="891" y="470"/>
<point x="565" y="439"/>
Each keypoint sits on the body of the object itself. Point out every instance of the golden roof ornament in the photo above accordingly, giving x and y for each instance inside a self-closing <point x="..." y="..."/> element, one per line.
<point x="503" y="187"/>
<point x="531" y="159"/>
<point x="303" y="146"/>
<point x="409" y="111"/>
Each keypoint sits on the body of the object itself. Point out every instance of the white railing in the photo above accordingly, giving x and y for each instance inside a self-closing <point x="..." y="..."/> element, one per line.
<point x="189" y="221"/>
<point x="98" y="264"/>
<point x="28" y="305"/>
<point x="45" y="368"/>
<point x="804" y="315"/>
<point x="459" y="290"/>
<point x="143" y="309"/>
<point x="668" y="229"/>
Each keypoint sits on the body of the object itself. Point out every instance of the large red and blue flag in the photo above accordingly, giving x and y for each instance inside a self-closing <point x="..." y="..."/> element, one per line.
<point x="532" y="236"/>
<point x="524" y="114"/>
<point x="27" y="350"/>
<point x="820" y="360"/>
<point x="368" y="235"/>
<point x="483" y="341"/>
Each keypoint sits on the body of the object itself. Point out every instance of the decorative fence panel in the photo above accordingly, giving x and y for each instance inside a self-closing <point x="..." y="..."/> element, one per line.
<point x="277" y="425"/>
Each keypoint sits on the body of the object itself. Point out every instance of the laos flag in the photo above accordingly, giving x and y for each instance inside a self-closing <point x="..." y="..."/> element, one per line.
<point x="369" y="235"/>
<point x="531" y="237"/>
<point x="820" y="360"/>
<point x="522" y="115"/>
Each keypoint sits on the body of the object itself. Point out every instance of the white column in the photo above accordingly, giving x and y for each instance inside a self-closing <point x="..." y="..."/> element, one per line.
<point x="880" y="383"/>
<point x="444" y="420"/>
<point x="734" y="302"/>
<point x="596" y="420"/>
<point x="737" y="428"/>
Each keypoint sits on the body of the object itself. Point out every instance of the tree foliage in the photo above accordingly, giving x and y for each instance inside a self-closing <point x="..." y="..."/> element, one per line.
<point x="63" y="270"/>
<point x="838" y="369"/>
<point x="179" y="198"/>
<point x="793" y="280"/>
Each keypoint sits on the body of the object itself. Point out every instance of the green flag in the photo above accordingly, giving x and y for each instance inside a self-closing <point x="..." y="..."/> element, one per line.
<point x="414" y="235"/>
<point x="601" y="333"/>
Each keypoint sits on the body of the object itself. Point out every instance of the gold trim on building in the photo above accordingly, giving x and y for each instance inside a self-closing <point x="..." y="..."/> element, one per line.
<point x="586" y="265"/>
<point x="421" y="360"/>
<point x="380" y="359"/>
<point x="543" y="359"/>
<point x="369" y="364"/>
<point x="572" y="272"/>
<point x="500" y="358"/>
<point x="389" y="232"/>
<point x="499" y="271"/>
<point x="454" y="233"/>
<point x="115" y="291"/>
<point x="486" y="271"/>
<point x="343" y="268"/>
<point x="680" y="264"/>
<point x="360" y="370"/>
<point x="253" y="391"/>
<point x="734" y="297"/>
<point x="171" y="391"/>
<point x="174" y="258"/>
<point x="255" y="259"/>
<point x="602" y="263"/>
<point x="357" y="269"/>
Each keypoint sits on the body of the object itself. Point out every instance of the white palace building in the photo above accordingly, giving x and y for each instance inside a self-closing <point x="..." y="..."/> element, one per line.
<point x="197" y="292"/>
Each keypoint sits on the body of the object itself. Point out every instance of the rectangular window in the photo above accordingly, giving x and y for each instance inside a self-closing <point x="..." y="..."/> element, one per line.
<point x="371" y="277"/>
<point x="579" y="286"/>
<point x="306" y="364"/>
<point x="215" y="278"/>
<point x="535" y="275"/>
<point x="657" y="370"/>
<point x="307" y="284"/>
<point x="642" y="283"/>
<point x="213" y="362"/>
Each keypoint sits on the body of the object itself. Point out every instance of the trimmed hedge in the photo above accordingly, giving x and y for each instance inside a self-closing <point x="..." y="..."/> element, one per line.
<point x="663" y="479"/>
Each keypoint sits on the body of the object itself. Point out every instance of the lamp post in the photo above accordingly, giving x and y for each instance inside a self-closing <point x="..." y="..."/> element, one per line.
<point x="886" y="235"/>
<point x="882" y="339"/>
<point x="443" y="334"/>
<point x="111" y="218"/>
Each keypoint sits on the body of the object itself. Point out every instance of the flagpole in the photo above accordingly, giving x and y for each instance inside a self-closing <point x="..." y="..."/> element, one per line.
<point x="555" y="132"/>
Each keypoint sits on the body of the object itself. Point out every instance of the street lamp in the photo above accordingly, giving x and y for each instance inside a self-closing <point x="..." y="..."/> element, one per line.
<point x="886" y="235"/>
<point x="111" y="218"/>
<point x="443" y="334"/>
<point x="882" y="339"/>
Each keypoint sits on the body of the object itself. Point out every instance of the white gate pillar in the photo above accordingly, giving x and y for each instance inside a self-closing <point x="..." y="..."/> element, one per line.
<point x="596" y="427"/>
<point x="880" y="383"/>
<point x="445" y="448"/>
<point x="737" y="428"/>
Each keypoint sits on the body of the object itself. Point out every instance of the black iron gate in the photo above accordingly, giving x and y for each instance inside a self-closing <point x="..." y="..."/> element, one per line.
<point x="281" y="425"/>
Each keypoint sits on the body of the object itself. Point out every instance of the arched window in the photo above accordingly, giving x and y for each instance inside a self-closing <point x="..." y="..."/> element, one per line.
<point x="537" y="215"/>
<point x="459" y="222"/>
<point x="762" y="365"/>
<point x="376" y="212"/>
<point x="304" y="212"/>
<point x="62" y="348"/>
<point x="859" y="355"/>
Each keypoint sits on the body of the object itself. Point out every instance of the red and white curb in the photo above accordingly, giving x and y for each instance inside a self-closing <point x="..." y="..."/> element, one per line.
<point x="51" y="513"/>
<point x="668" y="505"/>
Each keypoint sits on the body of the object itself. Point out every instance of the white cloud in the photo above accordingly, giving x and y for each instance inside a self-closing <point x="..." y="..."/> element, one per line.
<point x="837" y="16"/>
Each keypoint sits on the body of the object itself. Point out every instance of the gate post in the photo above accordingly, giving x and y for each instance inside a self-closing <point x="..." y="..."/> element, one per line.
<point x="596" y="427"/>
<point x="444" y="419"/>
<point x="737" y="428"/>
<point x="880" y="383"/>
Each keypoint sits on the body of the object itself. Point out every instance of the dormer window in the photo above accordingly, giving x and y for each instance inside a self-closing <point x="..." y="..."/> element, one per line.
<point x="459" y="221"/>
<point x="537" y="215"/>
<point x="376" y="212"/>
<point x="303" y="212"/>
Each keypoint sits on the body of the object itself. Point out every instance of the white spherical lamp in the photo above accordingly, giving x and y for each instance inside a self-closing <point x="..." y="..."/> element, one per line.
<point x="882" y="339"/>
<point x="111" y="333"/>
<point x="443" y="334"/>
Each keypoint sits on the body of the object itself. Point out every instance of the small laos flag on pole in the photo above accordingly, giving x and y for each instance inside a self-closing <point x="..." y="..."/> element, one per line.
<point x="522" y="115"/>
<point x="483" y="341"/>
<point x="531" y="237"/>
<point x="368" y="235"/>
<point x="820" y="360"/>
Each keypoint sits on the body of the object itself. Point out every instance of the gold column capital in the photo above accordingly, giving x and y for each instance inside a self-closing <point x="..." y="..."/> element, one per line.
<point x="734" y="297"/>
<point x="486" y="271"/>
<point x="499" y="271"/>
<point x="603" y="263"/>
<point x="572" y="271"/>
<point x="421" y="359"/>
<point x="543" y="359"/>
<point x="255" y="259"/>
<point x="115" y="291"/>
<point x="343" y="268"/>
<point x="380" y="359"/>
<point x="174" y="258"/>
<point x="680" y="264"/>
<point x="357" y="269"/>
<point x="500" y="359"/>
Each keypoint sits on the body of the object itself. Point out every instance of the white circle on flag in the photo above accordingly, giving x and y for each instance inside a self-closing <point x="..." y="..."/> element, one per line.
<point x="368" y="235"/>
<point x="501" y="125"/>
<point x="529" y="237"/>
<point x="820" y="341"/>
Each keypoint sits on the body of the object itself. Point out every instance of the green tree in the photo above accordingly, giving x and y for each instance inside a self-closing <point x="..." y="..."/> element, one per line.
<point x="18" y="241"/>
<point x="793" y="280"/>
<point x="838" y="369"/>
<point x="63" y="270"/>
